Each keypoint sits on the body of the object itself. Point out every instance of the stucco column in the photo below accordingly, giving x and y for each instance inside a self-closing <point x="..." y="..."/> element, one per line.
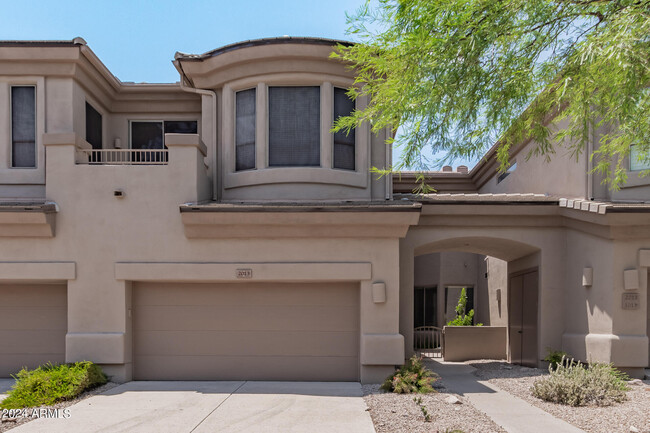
<point x="406" y="283"/>
<point x="382" y="346"/>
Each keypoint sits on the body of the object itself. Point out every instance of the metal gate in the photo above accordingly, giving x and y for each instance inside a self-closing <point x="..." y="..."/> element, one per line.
<point x="428" y="341"/>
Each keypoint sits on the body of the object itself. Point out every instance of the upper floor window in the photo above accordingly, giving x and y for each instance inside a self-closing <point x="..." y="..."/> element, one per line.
<point x="245" y="129"/>
<point x="636" y="163"/>
<point x="294" y="126"/>
<point x="151" y="134"/>
<point x="294" y="135"/>
<point x="23" y="126"/>
<point x="344" y="142"/>
<point x="93" y="127"/>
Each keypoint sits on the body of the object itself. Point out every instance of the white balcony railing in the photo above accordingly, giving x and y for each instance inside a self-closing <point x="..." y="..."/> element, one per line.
<point x="123" y="156"/>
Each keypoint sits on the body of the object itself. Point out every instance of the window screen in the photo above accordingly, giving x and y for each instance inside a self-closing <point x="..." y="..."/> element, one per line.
<point x="343" y="142"/>
<point x="636" y="163"/>
<point x="146" y="135"/>
<point x="23" y="126"/>
<point x="93" y="127"/>
<point x="294" y="126"/>
<point x="245" y="130"/>
<point x="181" y="127"/>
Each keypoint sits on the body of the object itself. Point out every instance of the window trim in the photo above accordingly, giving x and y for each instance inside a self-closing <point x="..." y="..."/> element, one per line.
<point x="11" y="132"/>
<point x="263" y="174"/>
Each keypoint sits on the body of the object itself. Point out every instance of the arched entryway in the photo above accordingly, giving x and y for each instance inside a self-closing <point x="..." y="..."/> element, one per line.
<point x="505" y="276"/>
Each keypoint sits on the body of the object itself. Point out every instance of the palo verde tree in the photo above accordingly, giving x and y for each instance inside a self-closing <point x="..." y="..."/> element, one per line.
<point x="461" y="75"/>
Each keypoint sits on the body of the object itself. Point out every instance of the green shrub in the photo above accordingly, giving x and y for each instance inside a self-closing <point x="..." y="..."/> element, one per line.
<point x="463" y="319"/>
<point x="49" y="384"/>
<point x="411" y="377"/>
<point x="556" y="357"/>
<point x="573" y="384"/>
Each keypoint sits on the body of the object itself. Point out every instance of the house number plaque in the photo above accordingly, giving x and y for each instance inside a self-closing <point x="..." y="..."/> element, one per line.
<point x="630" y="301"/>
<point x="244" y="273"/>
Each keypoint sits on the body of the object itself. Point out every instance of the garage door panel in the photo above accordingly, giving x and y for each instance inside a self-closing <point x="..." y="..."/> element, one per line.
<point x="280" y="294"/>
<point x="31" y="342"/>
<point x="244" y="343"/>
<point x="246" y="331"/>
<point x="247" y="368"/>
<point x="34" y="295"/>
<point x="13" y="363"/>
<point x="246" y="318"/>
<point x="33" y="325"/>
<point x="18" y="318"/>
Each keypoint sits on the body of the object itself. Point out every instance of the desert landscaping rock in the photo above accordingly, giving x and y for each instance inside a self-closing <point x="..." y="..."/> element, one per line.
<point x="398" y="413"/>
<point x="619" y="418"/>
<point x="452" y="400"/>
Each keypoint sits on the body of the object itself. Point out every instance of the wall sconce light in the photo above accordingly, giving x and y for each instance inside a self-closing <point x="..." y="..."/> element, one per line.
<point x="631" y="279"/>
<point x="378" y="293"/>
<point x="587" y="277"/>
<point x="117" y="143"/>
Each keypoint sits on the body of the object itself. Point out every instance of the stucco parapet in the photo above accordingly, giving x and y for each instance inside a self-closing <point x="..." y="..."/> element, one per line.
<point x="180" y="140"/>
<point x="65" y="139"/>
<point x="38" y="271"/>
<point x="247" y="272"/>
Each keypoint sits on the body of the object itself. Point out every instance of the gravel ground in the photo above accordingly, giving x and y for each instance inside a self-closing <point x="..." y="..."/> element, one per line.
<point x="6" y="425"/>
<point x="635" y="412"/>
<point x="396" y="413"/>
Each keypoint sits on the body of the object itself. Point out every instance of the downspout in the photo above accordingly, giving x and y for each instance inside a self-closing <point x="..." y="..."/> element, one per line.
<point x="212" y="94"/>
<point x="590" y="164"/>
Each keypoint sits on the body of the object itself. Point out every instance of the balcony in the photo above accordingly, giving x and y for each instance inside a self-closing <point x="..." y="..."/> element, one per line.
<point x="123" y="156"/>
<point x="79" y="176"/>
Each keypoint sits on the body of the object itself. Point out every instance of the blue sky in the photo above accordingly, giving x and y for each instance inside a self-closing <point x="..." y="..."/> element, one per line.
<point x="137" y="39"/>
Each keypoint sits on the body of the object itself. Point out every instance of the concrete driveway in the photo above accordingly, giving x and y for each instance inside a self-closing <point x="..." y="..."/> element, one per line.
<point x="5" y="385"/>
<point x="216" y="406"/>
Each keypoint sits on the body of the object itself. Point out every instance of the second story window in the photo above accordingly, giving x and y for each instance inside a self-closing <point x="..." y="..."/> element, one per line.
<point x="344" y="143"/>
<point x="23" y="126"/>
<point x="150" y="134"/>
<point x="636" y="163"/>
<point x="294" y="126"/>
<point x="93" y="127"/>
<point x="245" y="130"/>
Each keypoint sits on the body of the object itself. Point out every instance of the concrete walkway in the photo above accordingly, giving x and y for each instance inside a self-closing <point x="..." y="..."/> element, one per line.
<point x="512" y="413"/>
<point x="216" y="406"/>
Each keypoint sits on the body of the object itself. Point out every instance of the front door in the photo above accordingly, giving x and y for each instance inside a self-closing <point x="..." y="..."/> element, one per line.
<point x="522" y="318"/>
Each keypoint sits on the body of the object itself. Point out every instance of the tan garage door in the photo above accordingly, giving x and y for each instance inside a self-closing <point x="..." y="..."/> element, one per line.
<point x="246" y="331"/>
<point x="33" y="324"/>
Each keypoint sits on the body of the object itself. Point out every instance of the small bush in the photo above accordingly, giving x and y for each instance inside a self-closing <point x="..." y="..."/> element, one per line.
<point x="49" y="384"/>
<point x="556" y="357"/>
<point x="411" y="377"/>
<point x="573" y="384"/>
<point x="461" y="318"/>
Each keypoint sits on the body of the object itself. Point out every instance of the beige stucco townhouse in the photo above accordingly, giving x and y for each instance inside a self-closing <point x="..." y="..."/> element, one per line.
<point x="215" y="228"/>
